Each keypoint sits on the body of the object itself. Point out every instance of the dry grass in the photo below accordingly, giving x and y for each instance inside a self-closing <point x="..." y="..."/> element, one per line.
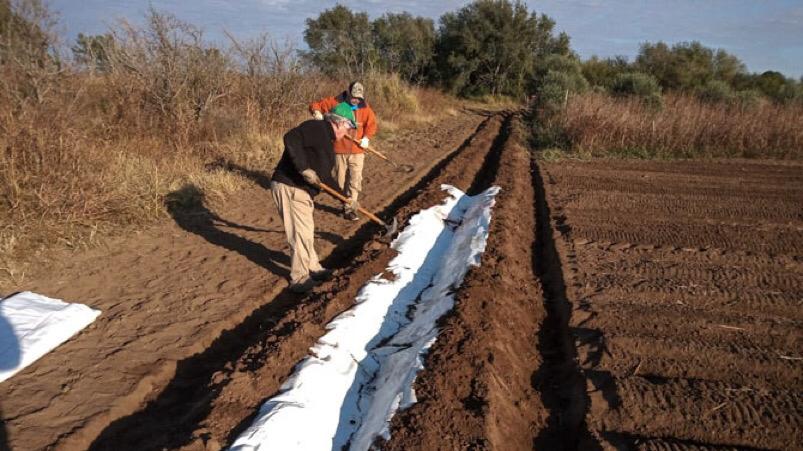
<point x="599" y="125"/>
<point x="96" y="154"/>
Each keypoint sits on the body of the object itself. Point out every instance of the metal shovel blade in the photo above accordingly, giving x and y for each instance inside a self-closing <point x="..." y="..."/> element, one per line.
<point x="390" y="230"/>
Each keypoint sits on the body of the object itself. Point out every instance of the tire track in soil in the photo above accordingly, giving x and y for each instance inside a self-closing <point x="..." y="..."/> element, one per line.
<point x="215" y="394"/>
<point x="677" y="342"/>
<point x="561" y="381"/>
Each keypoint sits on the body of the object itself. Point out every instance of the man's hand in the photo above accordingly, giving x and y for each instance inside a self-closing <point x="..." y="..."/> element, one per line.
<point x="317" y="115"/>
<point x="364" y="143"/>
<point x="311" y="177"/>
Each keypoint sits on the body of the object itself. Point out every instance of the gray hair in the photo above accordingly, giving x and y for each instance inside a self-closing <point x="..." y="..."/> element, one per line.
<point x="337" y="119"/>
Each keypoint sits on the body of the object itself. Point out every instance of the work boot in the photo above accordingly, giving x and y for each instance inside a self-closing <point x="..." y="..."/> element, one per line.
<point x="351" y="216"/>
<point x="323" y="275"/>
<point x="304" y="285"/>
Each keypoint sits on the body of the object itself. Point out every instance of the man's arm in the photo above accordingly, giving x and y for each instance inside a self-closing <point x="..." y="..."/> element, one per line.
<point x="323" y="105"/>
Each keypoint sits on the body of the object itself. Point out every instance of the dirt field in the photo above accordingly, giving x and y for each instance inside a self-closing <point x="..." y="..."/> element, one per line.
<point x="181" y="303"/>
<point x="629" y="305"/>
<point x="671" y="317"/>
<point x="687" y="284"/>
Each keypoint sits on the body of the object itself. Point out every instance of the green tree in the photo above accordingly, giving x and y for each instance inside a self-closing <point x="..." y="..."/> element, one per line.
<point x="716" y="91"/>
<point x="405" y="45"/>
<point x="29" y="64"/>
<point x="688" y="66"/>
<point x="493" y="47"/>
<point x="340" y="42"/>
<point x="23" y="37"/>
<point x="771" y="83"/>
<point x="635" y="84"/>
<point x="727" y="67"/>
<point x="93" y="51"/>
<point x="602" y="72"/>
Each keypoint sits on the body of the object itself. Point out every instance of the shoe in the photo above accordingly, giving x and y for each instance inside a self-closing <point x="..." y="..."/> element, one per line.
<point x="304" y="285"/>
<point x="351" y="216"/>
<point x="322" y="275"/>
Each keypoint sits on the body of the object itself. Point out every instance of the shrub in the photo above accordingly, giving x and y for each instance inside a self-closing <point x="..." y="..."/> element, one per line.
<point x="601" y="73"/>
<point x="716" y="91"/>
<point x="749" y="99"/>
<point x="639" y="85"/>
<point x="687" y="66"/>
<point x="636" y="84"/>
<point x="390" y="96"/>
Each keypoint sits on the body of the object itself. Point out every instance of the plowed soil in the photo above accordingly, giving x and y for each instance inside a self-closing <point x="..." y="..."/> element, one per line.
<point x="619" y="305"/>
<point x="686" y="280"/>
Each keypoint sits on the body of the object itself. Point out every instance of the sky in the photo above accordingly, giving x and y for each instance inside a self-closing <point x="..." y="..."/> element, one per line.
<point x="764" y="34"/>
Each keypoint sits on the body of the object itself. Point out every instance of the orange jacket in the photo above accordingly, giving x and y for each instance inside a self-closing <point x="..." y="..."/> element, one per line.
<point x="364" y="114"/>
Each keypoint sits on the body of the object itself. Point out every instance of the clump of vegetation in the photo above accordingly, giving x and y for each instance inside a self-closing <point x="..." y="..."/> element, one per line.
<point x="716" y="91"/>
<point x="494" y="47"/>
<point x="598" y="125"/>
<point x="681" y="101"/>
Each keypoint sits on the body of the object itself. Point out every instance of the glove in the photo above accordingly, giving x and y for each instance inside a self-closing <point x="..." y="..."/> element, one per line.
<point x="310" y="177"/>
<point x="317" y="115"/>
<point x="364" y="143"/>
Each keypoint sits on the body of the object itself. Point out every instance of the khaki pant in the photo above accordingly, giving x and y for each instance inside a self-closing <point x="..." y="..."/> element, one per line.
<point x="351" y="164"/>
<point x="295" y="208"/>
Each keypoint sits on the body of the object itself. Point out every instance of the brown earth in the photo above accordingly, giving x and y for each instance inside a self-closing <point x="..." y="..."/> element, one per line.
<point x="667" y="301"/>
<point x="502" y="374"/>
<point x="687" y="285"/>
<point x="619" y="305"/>
<point x="477" y="390"/>
<point x="174" y="299"/>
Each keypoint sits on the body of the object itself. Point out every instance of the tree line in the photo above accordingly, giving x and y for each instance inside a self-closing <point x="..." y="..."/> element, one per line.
<point x="488" y="47"/>
<point x="499" y="47"/>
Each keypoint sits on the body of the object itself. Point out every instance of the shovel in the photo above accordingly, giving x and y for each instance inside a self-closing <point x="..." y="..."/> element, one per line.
<point x="390" y="228"/>
<point x="399" y="167"/>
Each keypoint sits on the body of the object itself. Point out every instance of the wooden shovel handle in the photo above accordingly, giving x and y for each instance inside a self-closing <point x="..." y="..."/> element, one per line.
<point x="345" y="200"/>
<point x="371" y="149"/>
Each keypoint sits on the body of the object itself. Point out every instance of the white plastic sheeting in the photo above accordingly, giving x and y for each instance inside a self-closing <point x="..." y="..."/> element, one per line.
<point x="31" y="325"/>
<point x="361" y="371"/>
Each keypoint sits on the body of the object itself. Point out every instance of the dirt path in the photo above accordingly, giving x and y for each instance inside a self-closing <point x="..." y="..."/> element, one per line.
<point x="687" y="281"/>
<point x="169" y="293"/>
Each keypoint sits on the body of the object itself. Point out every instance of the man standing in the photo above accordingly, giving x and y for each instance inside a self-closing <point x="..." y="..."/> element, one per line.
<point x="308" y="158"/>
<point x="350" y="155"/>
